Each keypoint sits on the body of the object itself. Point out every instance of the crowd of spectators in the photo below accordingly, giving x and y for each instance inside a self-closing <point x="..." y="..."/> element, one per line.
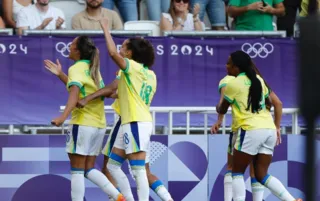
<point x="187" y="15"/>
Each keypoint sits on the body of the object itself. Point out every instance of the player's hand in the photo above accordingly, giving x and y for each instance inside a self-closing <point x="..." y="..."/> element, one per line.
<point x="55" y="69"/>
<point x="59" y="22"/>
<point x="196" y="10"/>
<point x="215" y="127"/>
<point x="279" y="140"/>
<point x="114" y="96"/>
<point x="255" y="6"/>
<point x="81" y="103"/>
<point x="45" y="22"/>
<point x="104" y="22"/>
<point x="58" y="121"/>
<point x="266" y="9"/>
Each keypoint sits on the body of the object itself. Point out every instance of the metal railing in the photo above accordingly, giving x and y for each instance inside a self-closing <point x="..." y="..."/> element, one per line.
<point x="198" y="110"/>
<point x="84" y="32"/>
<point x="238" y="34"/>
<point x="8" y="32"/>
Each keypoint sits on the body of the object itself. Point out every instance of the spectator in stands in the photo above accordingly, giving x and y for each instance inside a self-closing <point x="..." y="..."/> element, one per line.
<point x="11" y="8"/>
<point x="256" y="16"/>
<point x="128" y="8"/>
<point x="179" y="17"/>
<point x="89" y="18"/>
<point x="155" y="8"/>
<point x="287" y="21"/>
<point x="40" y="16"/>
<point x="2" y="25"/>
<point x="304" y="7"/>
<point x="215" y="10"/>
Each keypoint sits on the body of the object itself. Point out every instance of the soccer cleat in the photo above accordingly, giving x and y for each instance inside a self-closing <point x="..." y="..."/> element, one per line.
<point x="120" y="198"/>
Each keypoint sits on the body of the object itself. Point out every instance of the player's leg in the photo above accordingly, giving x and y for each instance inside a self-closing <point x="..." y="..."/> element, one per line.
<point x="256" y="187"/>
<point x="137" y="141"/>
<point x="77" y="162"/>
<point x="245" y="149"/>
<point x="262" y="162"/>
<point x="157" y="186"/>
<point x="115" y="161"/>
<point x="93" y="174"/>
<point x="227" y="183"/>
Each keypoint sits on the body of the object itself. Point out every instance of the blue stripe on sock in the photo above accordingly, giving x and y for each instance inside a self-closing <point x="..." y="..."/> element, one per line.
<point x="117" y="158"/>
<point x="254" y="180"/>
<point x="87" y="172"/>
<point x="119" y="190"/>
<point x="135" y="132"/>
<point x="137" y="162"/>
<point x="77" y="169"/>
<point x="265" y="179"/>
<point x="156" y="184"/>
<point x="237" y="174"/>
<point x="75" y="129"/>
<point x="114" y="135"/>
<point x="229" y="171"/>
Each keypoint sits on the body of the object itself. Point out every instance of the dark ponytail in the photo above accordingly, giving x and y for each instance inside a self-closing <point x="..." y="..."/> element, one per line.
<point x="244" y="63"/>
<point x="254" y="67"/>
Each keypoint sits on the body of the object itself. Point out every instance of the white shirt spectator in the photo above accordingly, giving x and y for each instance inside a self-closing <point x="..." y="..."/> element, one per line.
<point x="188" y="24"/>
<point x="32" y="17"/>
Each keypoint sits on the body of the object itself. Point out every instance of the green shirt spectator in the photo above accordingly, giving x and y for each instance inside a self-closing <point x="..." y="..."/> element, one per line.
<point x="255" y="15"/>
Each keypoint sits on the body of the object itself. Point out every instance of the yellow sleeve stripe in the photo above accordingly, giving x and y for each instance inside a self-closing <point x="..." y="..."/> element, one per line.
<point x="228" y="99"/>
<point x="127" y="66"/>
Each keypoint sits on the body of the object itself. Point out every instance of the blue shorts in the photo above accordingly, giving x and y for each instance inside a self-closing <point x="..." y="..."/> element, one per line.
<point x="215" y="9"/>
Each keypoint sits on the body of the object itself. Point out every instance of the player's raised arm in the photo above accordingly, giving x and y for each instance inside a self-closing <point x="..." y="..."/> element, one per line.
<point x="112" y="49"/>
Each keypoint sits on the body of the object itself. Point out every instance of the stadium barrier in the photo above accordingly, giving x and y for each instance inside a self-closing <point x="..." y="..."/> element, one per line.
<point x="84" y="32"/>
<point x="8" y="32"/>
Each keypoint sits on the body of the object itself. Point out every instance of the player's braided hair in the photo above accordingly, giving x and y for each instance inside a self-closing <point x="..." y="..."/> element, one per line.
<point x="243" y="61"/>
<point x="88" y="51"/>
<point x="142" y="51"/>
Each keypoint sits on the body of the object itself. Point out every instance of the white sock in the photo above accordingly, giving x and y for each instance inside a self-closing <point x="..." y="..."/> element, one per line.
<point x="161" y="190"/>
<point x="102" y="181"/>
<point x="257" y="190"/>
<point x="140" y="174"/>
<point x="114" y="167"/>
<point x="77" y="184"/>
<point x="277" y="188"/>
<point x="238" y="187"/>
<point x="228" y="186"/>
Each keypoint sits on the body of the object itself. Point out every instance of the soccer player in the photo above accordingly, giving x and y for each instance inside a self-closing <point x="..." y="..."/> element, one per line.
<point x="154" y="183"/>
<point x="248" y="96"/>
<point x="136" y="88"/>
<point x="257" y="188"/>
<point x="88" y="124"/>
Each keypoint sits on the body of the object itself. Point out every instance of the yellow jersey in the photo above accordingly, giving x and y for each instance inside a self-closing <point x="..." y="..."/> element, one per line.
<point x="115" y="105"/>
<point x="93" y="113"/>
<point x="136" y="88"/>
<point x="236" y="94"/>
<point x="223" y="83"/>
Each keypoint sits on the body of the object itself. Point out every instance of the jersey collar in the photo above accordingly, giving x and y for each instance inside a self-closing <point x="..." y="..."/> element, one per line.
<point x="242" y="74"/>
<point x="85" y="61"/>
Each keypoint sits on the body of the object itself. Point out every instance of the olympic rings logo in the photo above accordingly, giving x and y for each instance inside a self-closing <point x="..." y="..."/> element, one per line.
<point x="63" y="48"/>
<point x="257" y="49"/>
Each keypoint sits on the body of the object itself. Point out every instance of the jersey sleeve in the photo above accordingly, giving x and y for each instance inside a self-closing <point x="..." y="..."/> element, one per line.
<point x="132" y="67"/>
<point x="75" y="77"/>
<point x="234" y="2"/>
<point x="118" y="74"/>
<point x="230" y="92"/>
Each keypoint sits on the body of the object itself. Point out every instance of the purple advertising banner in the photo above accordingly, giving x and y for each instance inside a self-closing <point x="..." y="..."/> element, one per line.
<point x="36" y="168"/>
<point x="188" y="72"/>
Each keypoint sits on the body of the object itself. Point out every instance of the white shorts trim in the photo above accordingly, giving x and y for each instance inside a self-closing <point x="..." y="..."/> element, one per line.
<point x="84" y="140"/>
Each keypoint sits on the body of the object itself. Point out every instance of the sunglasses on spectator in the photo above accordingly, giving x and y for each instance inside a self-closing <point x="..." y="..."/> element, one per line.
<point x="184" y="1"/>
